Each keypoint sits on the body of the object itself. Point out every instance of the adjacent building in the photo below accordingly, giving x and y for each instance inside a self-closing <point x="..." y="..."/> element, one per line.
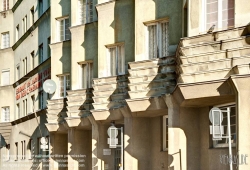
<point x="146" y="67"/>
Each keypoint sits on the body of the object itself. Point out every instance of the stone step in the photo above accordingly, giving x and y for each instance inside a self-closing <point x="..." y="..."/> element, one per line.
<point x="111" y="79"/>
<point x="215" y="46"/>
<point x="151" y="84"/>
<point x="216" y="36"/>
<point x="214" y="65"/>
<point x="56" y="111"/>
<point x="56" y="101"/>
<point x="222" y="54"/>
<point x="147" y="78"/>
<point x="205" y="76"/>
<point x="56" y="106"/>
<point x="79" y="102"/>
<point x="110" y="86"/>
<point x="147" y="71"/>
<point x="113" y="97"/>
<point x="79" y="107"/>
<point x="151" y="93"/>
<point x="109" y="105"/>
<point x="110" y="92"/>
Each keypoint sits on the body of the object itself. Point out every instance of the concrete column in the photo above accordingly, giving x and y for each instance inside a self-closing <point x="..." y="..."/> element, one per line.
<point x="137" y="143"/>
<point x="241" y="85"/>
<point x="177" y="143"/>
<point x="58" y="150"/>
<point x="79" y="149"/>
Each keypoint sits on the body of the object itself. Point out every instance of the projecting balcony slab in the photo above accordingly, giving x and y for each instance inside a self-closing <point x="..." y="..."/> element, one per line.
<point x="55" y="101"/>
<point x="144" y="63"/>
<point x="78" y="92"/>
<point x="168" y="69"/>
<point x="55" y="110"/>
<point x="75" y="103"/>
<point x="52" y="127"/>
<point x="235" y="43"/>
<point x="242" y="69"/>
<point x="111" y="79"/>
<point x="55" y="106"/>
<point x="101" y="99"/>
<point x="106" y="114"/>
<point x="205" y="76"/>
<point x="119" y="96"/>
<point x="151" y="84"/>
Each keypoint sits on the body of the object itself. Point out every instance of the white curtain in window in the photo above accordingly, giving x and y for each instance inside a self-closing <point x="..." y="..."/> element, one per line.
<point x="81" y="11"/>
<point x="152" y="36"/>
<point x="5" y="78"/>
<point x="121" y="60"/>
<point x="164" y="39"/>
<point x="67" y="31"/>
<point x="5" y="114"/>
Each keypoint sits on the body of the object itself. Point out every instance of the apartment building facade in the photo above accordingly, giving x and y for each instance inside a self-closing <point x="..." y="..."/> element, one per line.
<point x="121" y="64"/>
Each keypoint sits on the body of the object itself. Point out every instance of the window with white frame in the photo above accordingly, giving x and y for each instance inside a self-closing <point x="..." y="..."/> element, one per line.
<point x="85" y="11"/>
<point x="31" y="149"/>
<point x="24" y="24"/>
<point x="32" y="16"/>
<point x="157" y="39"/>
<point x="115" y="60"/>
<point x="165" y="132"/>
<point x="7" y="152"/>
<point x="5" y="114"/>
<point x="17" y="72"/>
<point x="40" y="97"/>
<point x="218" y="12"/>
<point x="64" y="84"/>
<point x="5" y="77"/>
<point x="5" y="40"/>
<point x="25" y="107"/>
<point x="224" y="141"/>
<point x="18" y="111"/>
<point x="40" y="7"/>
<point x="17" y="33"/>
<point x="40" y="53"/>
<point x="5" y="5"/>
<point x="63" y="29"/>
<point x="86" y="74"/>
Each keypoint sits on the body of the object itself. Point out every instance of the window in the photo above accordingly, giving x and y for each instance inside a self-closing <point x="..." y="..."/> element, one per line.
<point x="32" y="18"/>
<point x="32" y="55"/>
<point x="220" y="13"/>
<point x="41" y="100"/>
<point x="18" y="110"/>
<point x="86" y="74"/>
<point x="85" y="11"/>
<point x="64" y="84"/>
<point x="5" y="77"/>
<point x="25" y="107"/>
<point x="40" y="7"/>
<point x="17" y="72"/>
<point x="48" y="50"/>
<point x="5" y="114"/>
<point x="116" y="60"/>
<point x="165" y="132"/>
<point x="5" y="40"/>
<point x="31" y="149"/>
<point x="7" y="152"/>
<point x="39" y="150"/>
<point x="40" y="53"/>
<point x="63" y="29"/>
<point x="24" y="24"/>
<point x="25" y="66"/>
<point x="16" y="151"/>
<point x="17" y="32"/>
<point x="157" y="41"/>
<point x="224" y="141"/>
<point x="32" y="106"/>
<point x="5" y="5"/>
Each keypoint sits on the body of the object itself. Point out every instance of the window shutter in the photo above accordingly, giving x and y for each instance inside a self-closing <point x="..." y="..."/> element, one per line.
<point x="152" y="41"/>
<point x="5" y="78"/>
